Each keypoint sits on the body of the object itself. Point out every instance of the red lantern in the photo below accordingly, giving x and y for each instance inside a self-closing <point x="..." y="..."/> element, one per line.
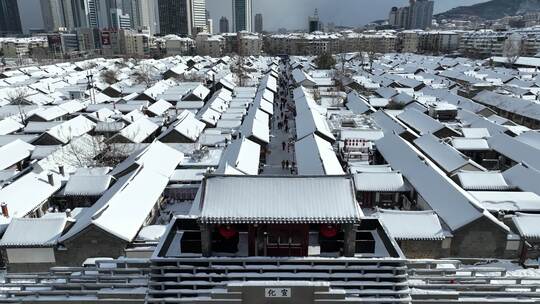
<point x="328" y="231"/>
<point x="227" y="232"/>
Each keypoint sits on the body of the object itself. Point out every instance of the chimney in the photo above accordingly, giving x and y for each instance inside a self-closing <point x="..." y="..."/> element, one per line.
<point x="50" y="178"/>
<point x="97" y="115"/>
<point x="61" y="170"/>
<point x="68" y="212"/>
<point x="5" y="211"/>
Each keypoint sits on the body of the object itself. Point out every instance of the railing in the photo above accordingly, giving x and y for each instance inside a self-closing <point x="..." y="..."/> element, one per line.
<point x="127" y="278"/>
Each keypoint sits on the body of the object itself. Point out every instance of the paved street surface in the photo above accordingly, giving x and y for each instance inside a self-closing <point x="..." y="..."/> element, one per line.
<point x="277" y="137"/>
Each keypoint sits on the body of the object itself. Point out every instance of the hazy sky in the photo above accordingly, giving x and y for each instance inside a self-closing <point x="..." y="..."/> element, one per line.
<point x="292" y="14"/>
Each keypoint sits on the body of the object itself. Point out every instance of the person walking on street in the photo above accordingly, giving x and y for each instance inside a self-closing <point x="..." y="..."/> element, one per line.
<point x="283" y="164"/>
<point x="283" y="146"/>
<point x="287" y="163"/>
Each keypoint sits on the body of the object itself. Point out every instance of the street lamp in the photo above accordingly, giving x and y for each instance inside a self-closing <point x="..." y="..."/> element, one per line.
<point x="90" y="79"/>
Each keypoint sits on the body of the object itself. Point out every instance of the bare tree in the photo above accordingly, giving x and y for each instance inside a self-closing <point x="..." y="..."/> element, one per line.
<point x="18" y="97"/>
<point x="143" y="75"/>
<point x="109" y="76"/>
<point x="93" y="151"/>
<point x="237" y="68"/>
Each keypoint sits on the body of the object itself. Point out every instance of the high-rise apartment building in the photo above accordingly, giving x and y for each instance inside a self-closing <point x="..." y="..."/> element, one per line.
<point x="242" y="15"/>
<point x="149" y="16"/>
<point x="10" y="21"/>
<point x="420" y="14"/>
<point x="314" y="23"/>
<point x="53" y="17"/>
<point x="223" y="25"/>
<point x="198" y="9"/>
<point x="182" y="17"/>
<point x="259" y="23"/>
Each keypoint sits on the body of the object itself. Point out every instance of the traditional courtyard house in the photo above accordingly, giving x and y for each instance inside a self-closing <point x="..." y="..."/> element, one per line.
<point x="386" y="190"/>
<point x="28" y="245"/>
<point x="186" y="129"/>
<point x="419" y="234"/>
<point x="141" y="180"/>
<point x="424" y="124"/>
<point x="476" y="233"/>
<point x="444" y="155"/>
<point x="64" y="132"/>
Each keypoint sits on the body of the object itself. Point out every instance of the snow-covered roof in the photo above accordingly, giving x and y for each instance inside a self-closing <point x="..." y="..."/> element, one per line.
<point x="412" y="225"/>
<point x="310" y="122"/>
<point x="14" y="152"/>
<point x="358" y="104"/>
<point x="454" y="205"/>
<point x="420" y="121"/>
<point x="469" y="144"/>
<point x="9" y="125"/>
<point x="50" y="113"/>
<point x="527" y="225"/>
<point x="139" y="131"/>
<point x="475" y="132"/>
<point x="508" y="201"/>
<point x="380" y="182"/>
<point x="482" y="181"/>
<point x="315" y="156"/>
<point x="133" y="196"/>
<point x="243" y="155"/>
<point x="21" y="200"/>
<point x="186" y="125"/>
<point x="87" y="185"/>
<point x="445" y="155"/>
<point x="160" y="107"/>
<point x="33" y="232"/>
<point x="243" y="199"/>
<point x="301" y="78"/>
<point x="515" y="150"/>
<point x="524" y="178"/>
<point x="74" y="127"/>
<point x="531" y="138"/>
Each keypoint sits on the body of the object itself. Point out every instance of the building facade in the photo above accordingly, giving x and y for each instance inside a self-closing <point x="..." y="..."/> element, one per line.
<point x="421" y="14"/>
<point x="258" y="23"/>
<point x="223" y="25"/>
<point x="53" y="17"/>
<point x="184" y="17"/>
<point x="314" y="24"/>
<point x="10" y="21"/>
<point x="242" y="13"/>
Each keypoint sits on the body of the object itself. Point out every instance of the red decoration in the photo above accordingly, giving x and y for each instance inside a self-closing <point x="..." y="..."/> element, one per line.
<point x="329" y="231"/>
<point x="227" y="232"/>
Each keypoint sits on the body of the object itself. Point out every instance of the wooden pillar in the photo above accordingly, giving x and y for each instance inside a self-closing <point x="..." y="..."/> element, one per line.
<point x="206" y="240"/>
<point x="349" y="240"/>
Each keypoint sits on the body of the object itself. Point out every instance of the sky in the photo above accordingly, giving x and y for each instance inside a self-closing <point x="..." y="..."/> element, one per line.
<point x="293" y="14"/>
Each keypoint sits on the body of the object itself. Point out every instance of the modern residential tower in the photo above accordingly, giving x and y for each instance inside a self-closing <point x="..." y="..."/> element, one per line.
<point x="314" y="23"/>
<point x="10" y="22"/>
<point x="182" y="17"/>
<point x="242" y="15"/>
<point x="53" y="17"/>
<point x="259" y="23"/>
<point x="223" y="25"/>
<point x="420" y="13"/>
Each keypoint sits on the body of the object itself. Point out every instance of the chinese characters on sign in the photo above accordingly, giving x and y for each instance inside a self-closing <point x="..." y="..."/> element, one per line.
<point x="277" y="292"/>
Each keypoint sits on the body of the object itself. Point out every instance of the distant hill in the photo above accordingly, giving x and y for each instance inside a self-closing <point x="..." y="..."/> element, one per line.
<point x="494" y="9"/>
